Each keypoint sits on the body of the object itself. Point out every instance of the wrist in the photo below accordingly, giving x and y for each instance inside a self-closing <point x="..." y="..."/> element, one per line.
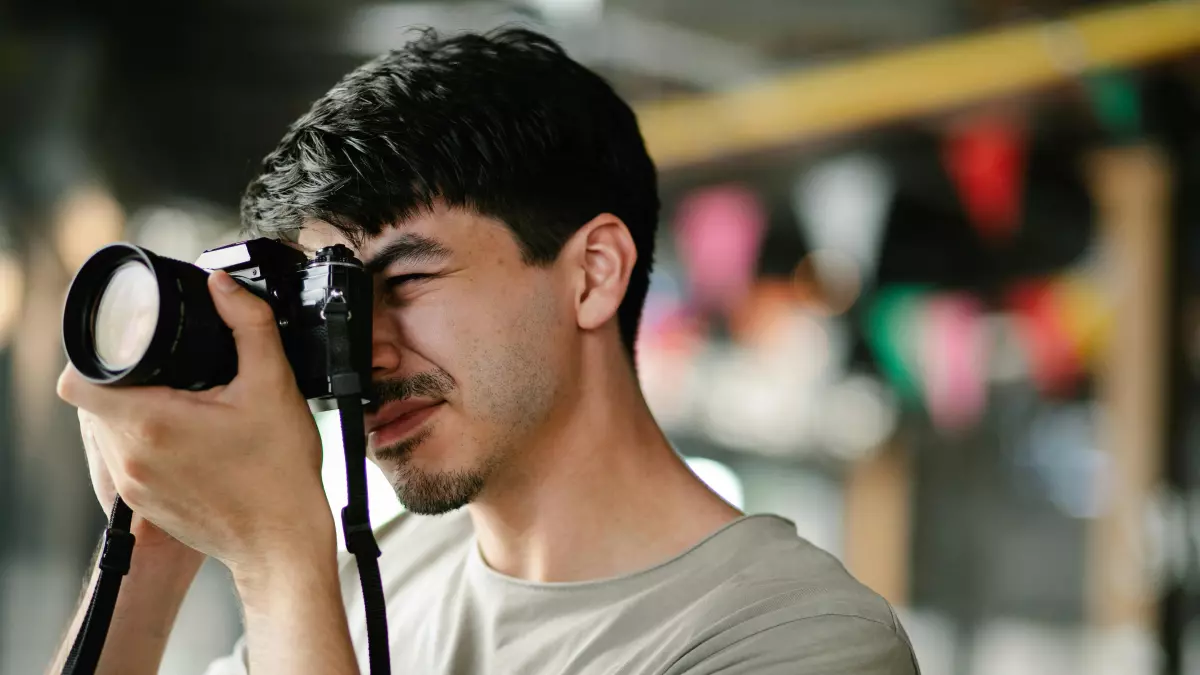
<point x="150" y="536"/>
<point x="293" y="609"/>
<point x="289" y="558"/>
<point x="156" y="550"/>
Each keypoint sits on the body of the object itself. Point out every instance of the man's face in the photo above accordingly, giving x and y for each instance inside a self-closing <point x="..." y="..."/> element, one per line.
<point x="469" y="348"/>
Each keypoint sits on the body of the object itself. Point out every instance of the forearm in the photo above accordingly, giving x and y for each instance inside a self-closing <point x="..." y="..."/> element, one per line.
<point x="151" y="594"/>
<point x="295" y="619"/>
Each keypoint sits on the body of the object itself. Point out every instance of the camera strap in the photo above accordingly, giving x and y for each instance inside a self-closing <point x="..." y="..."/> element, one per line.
<point x="115" y="557"/>
<point x="347" y="387"/>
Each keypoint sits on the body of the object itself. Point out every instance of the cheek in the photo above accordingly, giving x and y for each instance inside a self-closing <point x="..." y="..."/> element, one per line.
<point x="515" y="367"/>
<point x="513" y="353"/>
<point x="416" y="329"/>
<point x="463" y="327"/>
<point x="505" y="344"/>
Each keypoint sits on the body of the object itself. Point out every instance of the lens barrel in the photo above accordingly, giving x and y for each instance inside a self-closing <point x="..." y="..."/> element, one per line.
<point x="191" y="347"/>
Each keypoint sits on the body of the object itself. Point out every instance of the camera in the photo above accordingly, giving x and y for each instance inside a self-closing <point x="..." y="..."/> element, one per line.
<point x="133" y="317"/>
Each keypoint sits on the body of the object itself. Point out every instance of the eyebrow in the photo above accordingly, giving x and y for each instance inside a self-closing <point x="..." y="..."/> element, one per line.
<point x="408" y="248"/>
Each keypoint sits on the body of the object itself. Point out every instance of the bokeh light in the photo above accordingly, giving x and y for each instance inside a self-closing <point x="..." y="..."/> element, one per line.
<point x="88" y="218"/>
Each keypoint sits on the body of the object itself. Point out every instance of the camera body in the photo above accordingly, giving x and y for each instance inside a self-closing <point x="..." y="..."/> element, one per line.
<point x="191" y="348"/>
<point x="298" y="291"/>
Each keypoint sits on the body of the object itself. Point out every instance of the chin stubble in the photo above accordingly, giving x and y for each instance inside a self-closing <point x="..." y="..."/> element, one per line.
<point x="429" y="493"/>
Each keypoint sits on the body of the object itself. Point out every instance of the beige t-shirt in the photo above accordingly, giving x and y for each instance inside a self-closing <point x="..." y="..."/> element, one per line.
<point x="751" y="599"/>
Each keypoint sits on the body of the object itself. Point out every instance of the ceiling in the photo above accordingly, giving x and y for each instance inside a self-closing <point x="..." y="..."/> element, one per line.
<point x="185" y="97"/>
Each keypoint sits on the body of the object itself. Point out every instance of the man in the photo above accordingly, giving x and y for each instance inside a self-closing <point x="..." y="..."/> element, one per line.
<point x="502" y="195"/>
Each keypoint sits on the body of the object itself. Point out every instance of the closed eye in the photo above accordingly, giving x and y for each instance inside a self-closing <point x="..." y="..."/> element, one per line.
<point x="402" y="279"/>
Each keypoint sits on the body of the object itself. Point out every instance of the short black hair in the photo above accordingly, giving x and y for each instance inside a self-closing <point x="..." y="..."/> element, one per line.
<point x="504" y="123"/>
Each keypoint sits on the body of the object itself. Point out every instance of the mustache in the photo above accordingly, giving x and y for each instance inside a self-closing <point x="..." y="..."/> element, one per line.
<point x="434" y="384"/>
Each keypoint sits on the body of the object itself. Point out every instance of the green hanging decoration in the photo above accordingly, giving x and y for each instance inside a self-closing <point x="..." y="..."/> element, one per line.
<point x="893" y="325"/>
<point x="1116" y="103"/>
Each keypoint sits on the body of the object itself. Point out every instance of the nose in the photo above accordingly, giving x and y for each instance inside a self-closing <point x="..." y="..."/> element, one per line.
<point x="385" y="345"/>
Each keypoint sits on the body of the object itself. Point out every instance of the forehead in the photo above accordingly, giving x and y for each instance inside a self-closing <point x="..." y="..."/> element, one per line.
<point x="462" y="232"/>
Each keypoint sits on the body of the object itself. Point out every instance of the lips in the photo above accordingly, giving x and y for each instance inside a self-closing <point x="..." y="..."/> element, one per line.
<point x="396" y="420"/>
<point x="390" y="412"/>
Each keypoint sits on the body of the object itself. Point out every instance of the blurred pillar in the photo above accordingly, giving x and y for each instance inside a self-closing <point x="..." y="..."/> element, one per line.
<point x="8" y="484"/>
<point x="878" y="532"/>
<point x="1130" y="187"/>
<point x="1180" y="594"/>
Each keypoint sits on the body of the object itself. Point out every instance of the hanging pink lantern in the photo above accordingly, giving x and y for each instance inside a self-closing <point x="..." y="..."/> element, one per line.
<point x="719" y="231"/>
<point x="954" y="360"/>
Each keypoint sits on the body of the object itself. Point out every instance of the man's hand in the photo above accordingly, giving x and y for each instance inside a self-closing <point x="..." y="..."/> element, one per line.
<point x="233" y="472"/>
<point x="159" y="576"/>
<point x="95" y="432"/>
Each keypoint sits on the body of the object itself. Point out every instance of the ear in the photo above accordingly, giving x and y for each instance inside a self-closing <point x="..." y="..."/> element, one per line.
<point x="601" y="255"/>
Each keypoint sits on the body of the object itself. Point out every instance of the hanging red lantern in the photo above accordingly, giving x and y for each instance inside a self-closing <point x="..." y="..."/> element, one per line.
<point x="986" y="161"/>
<point x="1055" y="362"/>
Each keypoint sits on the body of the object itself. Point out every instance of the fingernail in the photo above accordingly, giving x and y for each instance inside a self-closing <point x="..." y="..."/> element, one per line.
<point x="225" y="282"/>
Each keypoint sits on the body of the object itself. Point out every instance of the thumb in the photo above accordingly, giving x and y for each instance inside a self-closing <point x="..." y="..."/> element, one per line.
<point x="255" y="333"/>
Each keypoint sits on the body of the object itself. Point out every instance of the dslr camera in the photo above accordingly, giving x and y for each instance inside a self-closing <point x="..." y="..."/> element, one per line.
<point x="133" y="317"/>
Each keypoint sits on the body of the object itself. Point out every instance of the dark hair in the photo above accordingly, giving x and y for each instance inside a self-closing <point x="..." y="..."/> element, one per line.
<point x="504" y="123"/>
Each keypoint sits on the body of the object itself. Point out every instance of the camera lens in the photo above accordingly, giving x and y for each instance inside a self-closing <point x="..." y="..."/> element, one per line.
<point x="126" y="316"/>
<point x="136" y="318"/>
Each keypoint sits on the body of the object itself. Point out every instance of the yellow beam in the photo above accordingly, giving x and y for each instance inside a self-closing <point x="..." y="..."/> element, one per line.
<point x="922" y="80"/>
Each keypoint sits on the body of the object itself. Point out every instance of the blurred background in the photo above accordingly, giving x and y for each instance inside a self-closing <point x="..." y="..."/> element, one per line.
<point x="927" y="283"/>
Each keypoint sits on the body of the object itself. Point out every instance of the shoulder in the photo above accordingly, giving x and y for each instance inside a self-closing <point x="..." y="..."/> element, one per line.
<point x="783" y="597"/>
<point x="822" y="643"/>
<point x="766" y="567"/>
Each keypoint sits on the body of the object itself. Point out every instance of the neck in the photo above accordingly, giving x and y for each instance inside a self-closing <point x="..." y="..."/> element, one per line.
<point x="599" y="494"/>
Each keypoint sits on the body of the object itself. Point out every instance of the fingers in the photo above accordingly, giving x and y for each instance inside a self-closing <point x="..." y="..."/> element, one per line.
<point x="87" y="431"/>
<point x="259" y="349"/>
<point x="91" y="428"/>
<point x="119" y="450"/>
<point x="111" y="402"/>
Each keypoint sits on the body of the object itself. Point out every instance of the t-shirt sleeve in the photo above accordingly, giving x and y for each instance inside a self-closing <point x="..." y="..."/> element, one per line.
<point x="819" y="645"/>
<point x="234" y="664"/>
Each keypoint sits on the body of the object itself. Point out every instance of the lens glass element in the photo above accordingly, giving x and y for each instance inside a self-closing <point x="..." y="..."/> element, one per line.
<point x="126" y="316"/>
